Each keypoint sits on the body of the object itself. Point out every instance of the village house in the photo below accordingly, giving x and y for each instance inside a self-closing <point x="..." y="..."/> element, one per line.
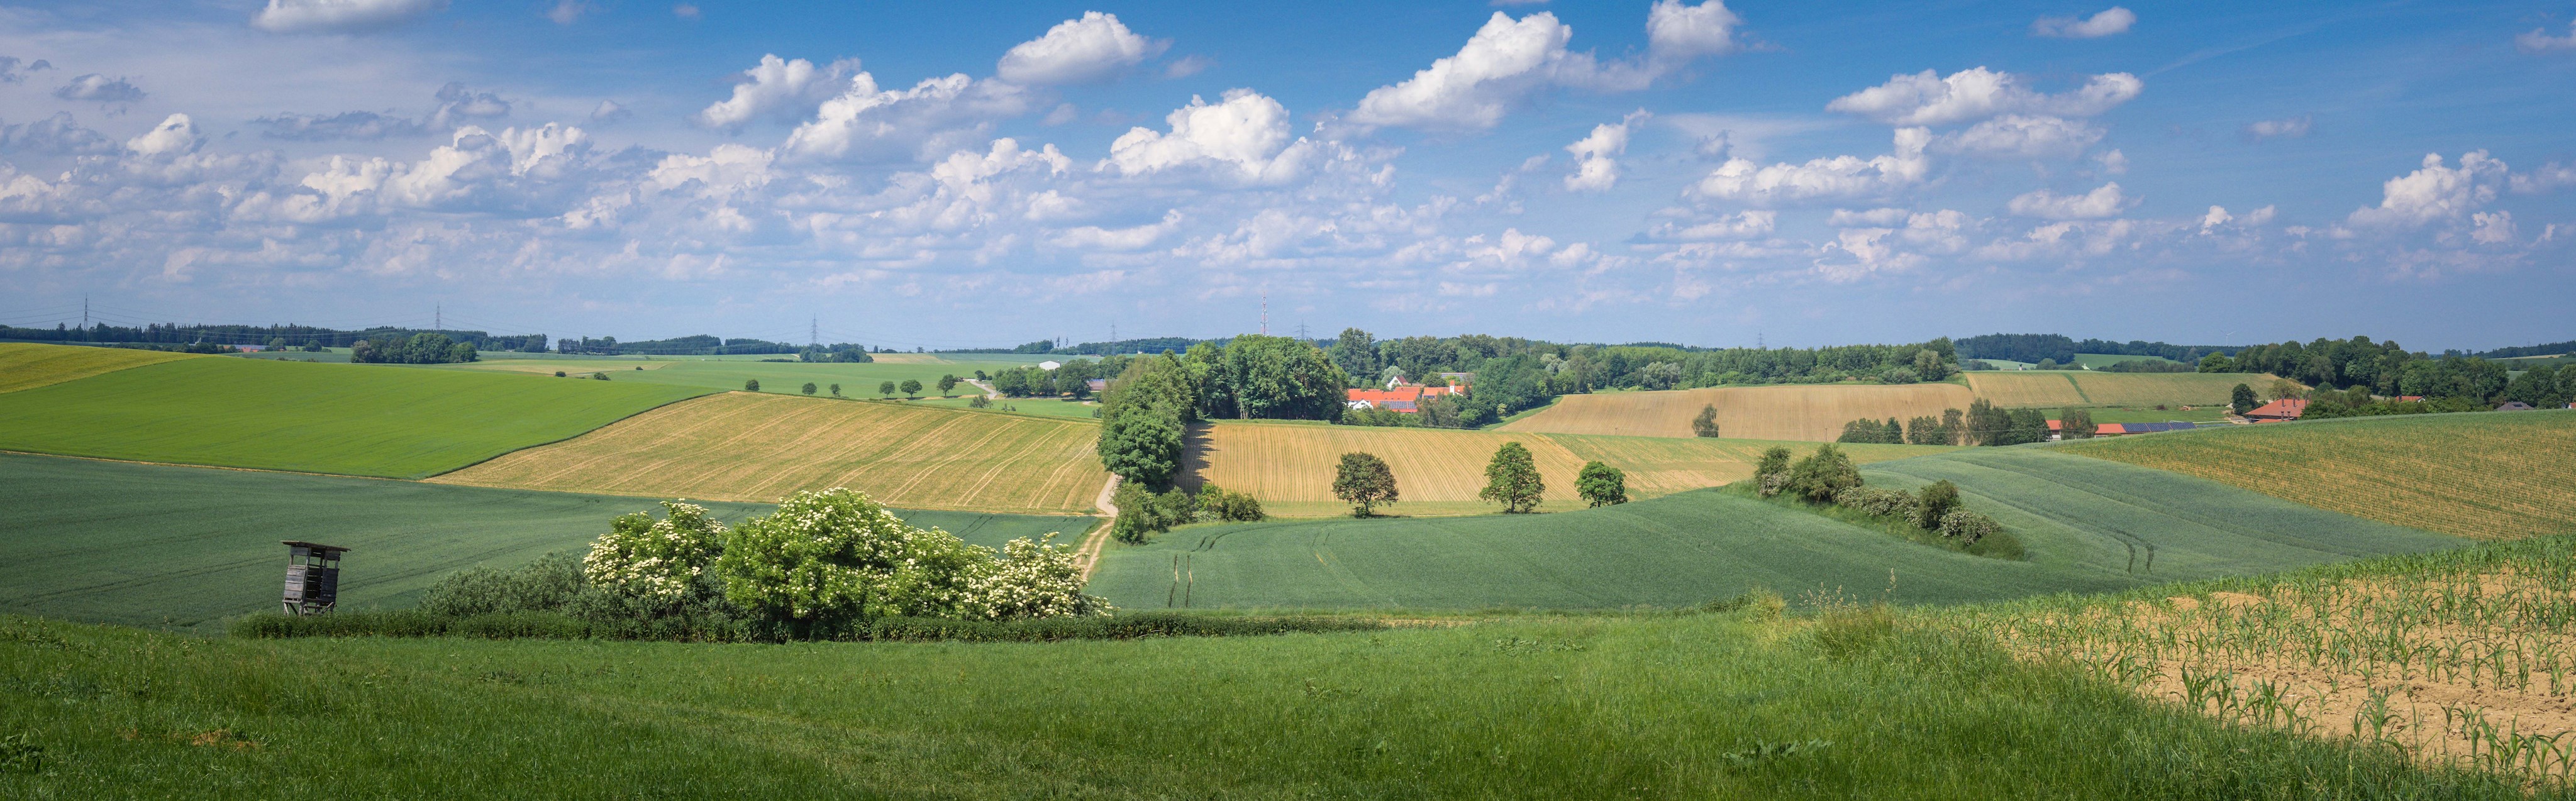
<point x="2279" y="411"/>
<point x="1404" y="399"/>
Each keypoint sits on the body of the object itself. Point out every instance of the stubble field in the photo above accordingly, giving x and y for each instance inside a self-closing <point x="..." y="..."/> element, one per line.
<point x="1811" y="413"/>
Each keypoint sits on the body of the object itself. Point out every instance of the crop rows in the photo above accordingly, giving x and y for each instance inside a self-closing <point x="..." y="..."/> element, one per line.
<point x="762" y="447"/>
<point x="1810" y="413"/>
<point x="2461" y="658"/>
<point x="25" y="366"/>
<point x="2481" y="475"/>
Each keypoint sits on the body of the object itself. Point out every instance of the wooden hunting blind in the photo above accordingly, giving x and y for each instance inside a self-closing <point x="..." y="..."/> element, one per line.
<point x="312" y="577"/>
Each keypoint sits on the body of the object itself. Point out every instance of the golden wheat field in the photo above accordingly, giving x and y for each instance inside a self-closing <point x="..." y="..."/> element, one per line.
<point x="1289" y="466"/>
<point x="2488" y="475"/>
<point x="28" y="366"/>
<point x="2057" y="388"/>
<point x="1809" y="413"/>
<point x="741" y="446"/>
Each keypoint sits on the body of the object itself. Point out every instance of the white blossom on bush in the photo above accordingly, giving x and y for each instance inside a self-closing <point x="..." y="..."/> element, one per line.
<point x="838" y="554"/>
<point x="1036" y="579"/>
<point x="652" y="559"/>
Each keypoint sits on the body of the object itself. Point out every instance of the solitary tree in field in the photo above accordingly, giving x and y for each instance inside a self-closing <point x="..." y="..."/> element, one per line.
<point x="911" y="387"/>
<point x="1601" y="484"/>
<point x="1363" y="481"/>
<point x="2241" y="399"/>
<point x="1512" y="480"/>
<point x="886" y="389"/>
<point x="1706" y="423"/>
<point x="752" y="385"/>
<point x="836" y="390"/>
<point x="946" y="383"/>
<point x="809" y="387"/>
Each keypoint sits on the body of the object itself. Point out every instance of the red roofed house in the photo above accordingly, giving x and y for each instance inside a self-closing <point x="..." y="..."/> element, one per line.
<point x="1399" y="399"/>
<point x="2282" y="410"/>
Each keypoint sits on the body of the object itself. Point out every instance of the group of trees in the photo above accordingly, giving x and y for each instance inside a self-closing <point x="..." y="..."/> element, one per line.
<point x="421" y="348"/>
<point x="1143" y="512"/>
<point x="1511" y="479"/>
<point x="2057" y="349"/>
<point x="1828" y="476"/>
<point x="2381" y="368"/>
<point x="275" y="337"/>
<point x="1983" y="424"/>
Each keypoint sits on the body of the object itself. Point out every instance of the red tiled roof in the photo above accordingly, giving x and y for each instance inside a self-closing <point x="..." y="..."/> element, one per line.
<point x="2109" y="429"/>
<point x="2283" y="409"/>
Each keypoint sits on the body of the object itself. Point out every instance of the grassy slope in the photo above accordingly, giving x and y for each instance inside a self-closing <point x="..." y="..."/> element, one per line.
<point x="365" y="420"/>
<point x="761" y="447"/>
<point x="1289" y="466"/>
<point x="2479" y="474"/>
<point x="2100" y="360"/>
<point x="856" y="380"/>
<point x="27" y="366"/>
<point x="152" y="544"/>
<point x="1542" y="708"/>
<point x="2077" y="518"/>
<point x="1042" y="407"/>
<point x="1813" y="413"/>
<point x="2060" y="388"/>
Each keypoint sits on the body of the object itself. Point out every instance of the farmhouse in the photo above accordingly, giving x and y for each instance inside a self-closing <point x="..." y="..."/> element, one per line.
<point x="2282" y="410"/>
<point x="1397" y="399"/>
<point x="2514" y="406"/>
<point x="1097" y="385"/>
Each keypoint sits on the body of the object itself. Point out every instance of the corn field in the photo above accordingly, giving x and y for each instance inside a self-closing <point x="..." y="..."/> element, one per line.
<point x="2464" y="657"/>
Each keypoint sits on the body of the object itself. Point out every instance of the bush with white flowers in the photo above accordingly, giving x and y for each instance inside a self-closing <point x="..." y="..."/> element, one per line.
<point x="837" y="556"/>
<point x="1036" y="579"/>
<point x="656" y="561"/>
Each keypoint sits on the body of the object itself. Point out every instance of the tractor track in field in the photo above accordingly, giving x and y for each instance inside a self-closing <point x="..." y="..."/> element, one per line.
<point x="1089" y="552"/>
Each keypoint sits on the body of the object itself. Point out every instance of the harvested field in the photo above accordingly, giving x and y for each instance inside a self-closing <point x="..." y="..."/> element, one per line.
<point x="741" y="446"/>
<point x="2486" y="475"/>
<point x="26" y="366"/>
<point x="1809" y="413"/>
<point x="2056" y="388"/>
<point x="1289" y="466"/>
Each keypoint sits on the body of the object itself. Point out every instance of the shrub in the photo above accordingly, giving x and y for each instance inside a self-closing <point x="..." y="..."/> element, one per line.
<point x="1219" y="503"/>
<point x="1967" y="527"/>
<point x="834" y="557"/>
<point x="810" y="388"/>
<point x="911" y="387"/>
<point x="1771" y="475"/>
<point x="599" y="376"/>
<point x="836" y="390"/>
<point x="1705" y="425"/>
<point x="657" y="562"/>
<point x="1601" y="485"/>
<point x="752" y="385"/>
<point x="548" y="584"/>
<point x="559" y="374"/>
<point x="980" y="402"/>
<point x="1936" y="500"/>
<point x="1877" y="502"/>
<point x="1035" y="580"/>
<point x="1822" y="474"/>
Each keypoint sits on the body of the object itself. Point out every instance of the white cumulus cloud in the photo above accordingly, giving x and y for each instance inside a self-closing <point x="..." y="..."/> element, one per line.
<point x="1092" y="48"/>
<point x="935" y="116"/>
<point x="2287" y="128"/>
<point x="1925" y="98"/>
<point x="1243" y="137"/>
<point x="1507" y="60"/>
<point x="2018" y="136"/>
<point x="175" y="135"/>
<point x="2113" y="20"/>
<point x="2538" y="40"/>
<point x="340" y="16"/>
<point x="1841" y="176"/>
<point x="785" y="89"/>
<point x="2103" y="201"/>
<point x="99" y="88"/>
<point x="1596" y="157"/>
<point x="2435" y="192"/>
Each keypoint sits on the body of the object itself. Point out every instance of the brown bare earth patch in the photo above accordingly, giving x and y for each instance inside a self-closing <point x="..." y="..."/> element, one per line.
<point x="1807" y="413"/>
<point x="742" y="446"/>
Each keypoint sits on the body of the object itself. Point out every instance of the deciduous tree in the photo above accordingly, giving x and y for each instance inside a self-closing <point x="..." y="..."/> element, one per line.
<point x="1364" y="481"/>
<point x="1601" y="485"/>
<point x="1512" y="480"/>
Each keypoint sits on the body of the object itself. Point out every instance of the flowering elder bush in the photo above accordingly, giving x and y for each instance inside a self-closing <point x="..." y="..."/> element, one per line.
<point x="1036" y="579"/>
<point x="657" y="561"/>
<point x="836" y="555"/>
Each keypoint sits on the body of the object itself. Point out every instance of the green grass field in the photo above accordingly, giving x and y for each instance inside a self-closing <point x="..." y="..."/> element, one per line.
<point x="1699" y="706"/>
<point x="2101" y="360"/>
<point x="185" y="546"/>
<point x="1043" y="407"/>
<point x="856" y="380"/>
<point x="367" y="420"/>
<point x="2487" y="475"/>
<point x="2086" y="526"/>
<point x="27" y="366"/>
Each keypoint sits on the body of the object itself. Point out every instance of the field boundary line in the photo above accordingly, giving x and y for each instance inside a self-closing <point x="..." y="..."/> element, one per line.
<point x="1092" y="544"/>
<point x="630" y="416"/>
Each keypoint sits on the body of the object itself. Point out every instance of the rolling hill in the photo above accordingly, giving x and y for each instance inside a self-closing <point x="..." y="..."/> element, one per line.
<point x="2486" y="475"/>
<point x="2086" y="526"/>
<point x="183" y="546"/>
<point x="27" y="366"/>
<point x="367" y="420"/>
<point x="2060" y="388"/>
<point x="1806" y="412"/>
<point x="1289" y="466"/>
<point x="759" y="447"/>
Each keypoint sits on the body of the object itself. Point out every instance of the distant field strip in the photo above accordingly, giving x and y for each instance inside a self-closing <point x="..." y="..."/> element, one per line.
<point x="24" y="366"/>
<point x="183" y="546"/>
<point x="743" y="446"/>
<point x="1811" y="413"/>
<point x="2058" y="388"/>
<point x="1290" y="466"/>
<point x="367" y="420"/>
<point x="2489" y="475"/>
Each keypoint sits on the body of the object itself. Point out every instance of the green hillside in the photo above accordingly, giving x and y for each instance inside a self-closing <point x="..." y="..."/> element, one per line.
<point x="368" y="420"/>
<point x="2087" y="525"/>
<point x="182" y="546"/>
<point x="857" y="380"/>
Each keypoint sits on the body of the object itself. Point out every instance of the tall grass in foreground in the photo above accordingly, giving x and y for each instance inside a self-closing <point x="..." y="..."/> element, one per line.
<point x="1859" y="704"/>
<point x="2461" y="657"/>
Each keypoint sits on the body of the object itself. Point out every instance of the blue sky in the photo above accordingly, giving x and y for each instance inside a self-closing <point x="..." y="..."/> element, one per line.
<point x="947" y="174"/>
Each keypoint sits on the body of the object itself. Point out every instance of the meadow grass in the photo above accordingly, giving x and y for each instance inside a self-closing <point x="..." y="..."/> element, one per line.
<point x="1803" y="412"/>
<point x="2482" y="474"/>
<point x="27" y="366"/>
<point x="1290" y="466"/>
<point x="1042" y="407"/>
<point x="857" y="380"/>
<point x="2083" y="525"/>
<point x="760" y="447"/>
<point x="367" y="420"/>
<point x="2101" y="360"/>
<point x="184" y="547"/>
<point x="1639" y="706"/>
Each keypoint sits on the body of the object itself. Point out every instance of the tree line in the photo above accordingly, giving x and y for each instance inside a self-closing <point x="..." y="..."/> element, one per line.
<point x="1982" y="424"/>
<point x="2381" y="368"/>
<point x="272" y="336"/>
<point x="2060" y="349"/>
<point x="421" y="348"/>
